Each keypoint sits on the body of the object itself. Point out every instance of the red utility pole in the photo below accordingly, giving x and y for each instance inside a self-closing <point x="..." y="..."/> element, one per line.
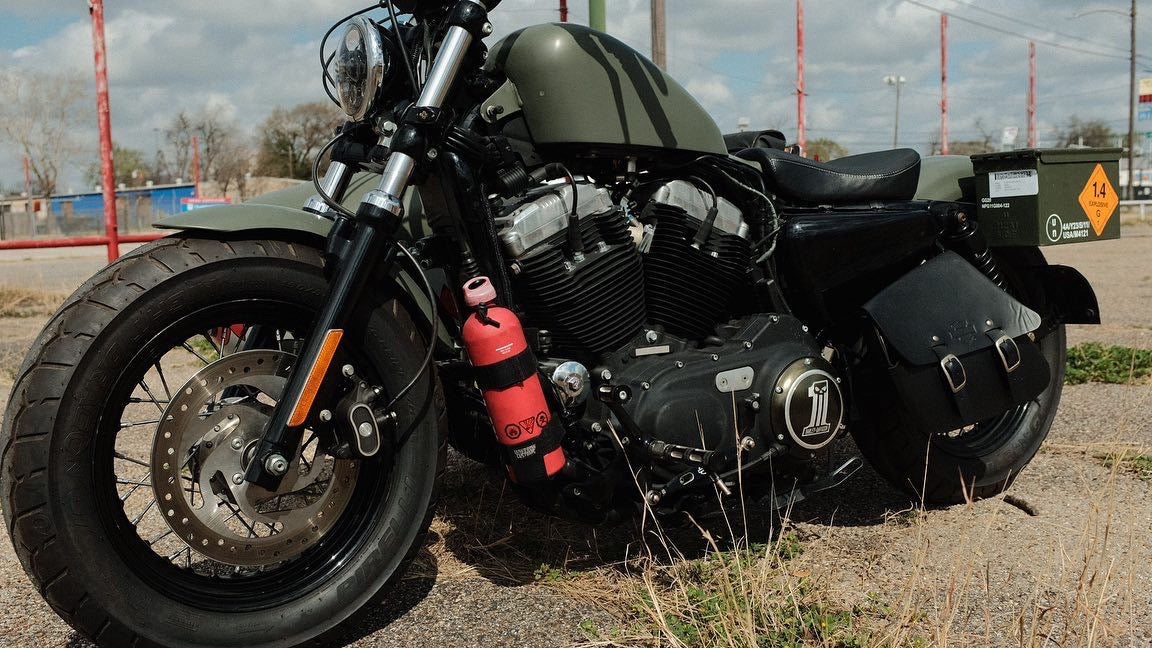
<point x="1031" y="94"/>
<point x="800" y="74"/>
<point x="195" y="166"/>
<point x="943" y="84"/>
<point x="563" y="11"/>
<point x="103" y="110"/>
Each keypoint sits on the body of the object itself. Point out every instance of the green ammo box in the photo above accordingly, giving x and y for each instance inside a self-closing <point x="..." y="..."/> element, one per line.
<point x="1048" y="196"/>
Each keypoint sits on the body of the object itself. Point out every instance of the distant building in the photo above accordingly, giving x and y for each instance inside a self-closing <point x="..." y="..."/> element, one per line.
<point x="79" y="214"/>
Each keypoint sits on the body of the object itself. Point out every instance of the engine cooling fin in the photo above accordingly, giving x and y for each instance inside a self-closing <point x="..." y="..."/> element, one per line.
<point x="595" y="304"/>
<point x="690" y="289"/>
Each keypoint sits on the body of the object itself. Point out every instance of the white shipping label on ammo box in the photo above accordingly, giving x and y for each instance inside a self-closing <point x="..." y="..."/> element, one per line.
<point x="1022" y="182"/>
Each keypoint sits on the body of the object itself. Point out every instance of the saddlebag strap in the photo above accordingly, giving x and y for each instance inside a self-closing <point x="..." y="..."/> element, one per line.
<point x="955" y="377"/>
<point x="525" y="461"/>
<point x="509" y="371"/>
<point x="1011" y="358"/>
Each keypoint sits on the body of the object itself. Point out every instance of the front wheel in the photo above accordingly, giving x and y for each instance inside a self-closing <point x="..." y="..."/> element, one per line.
<point x="978" y="460"/>
<point x="132" y="422"/>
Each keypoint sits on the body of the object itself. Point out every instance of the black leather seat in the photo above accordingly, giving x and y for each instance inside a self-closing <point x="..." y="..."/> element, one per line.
<point x="883" y="175"/>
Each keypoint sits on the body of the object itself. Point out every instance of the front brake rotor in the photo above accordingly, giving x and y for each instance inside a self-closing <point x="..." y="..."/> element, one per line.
<point x="207" y="436"/>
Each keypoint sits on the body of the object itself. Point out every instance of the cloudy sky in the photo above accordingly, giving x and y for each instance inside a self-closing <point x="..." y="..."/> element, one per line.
<point x="738" y="57"/>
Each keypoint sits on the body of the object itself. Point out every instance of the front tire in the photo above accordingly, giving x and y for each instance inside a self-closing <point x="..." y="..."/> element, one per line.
<point x="102" y="545"/>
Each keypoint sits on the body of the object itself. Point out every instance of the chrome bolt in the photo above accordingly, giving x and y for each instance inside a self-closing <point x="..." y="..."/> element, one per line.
<point x="747" y="443"/>
<point x="652" y="497"/>
<point x="388" y="127"/>
<point x="325" y="415"/>
<point x="231" y="416"/>
<point x="747" y="345"/>
<point x="779" y="390"/>
<point x="515" y="268"/>
<point x="596" y="427"/>
<point x="365" y="429"/>
<point x="238" y="478"/>
<point x="775" y="318"/>
<point x="276" y="464"/>
<point x="348" y="370"/>
<point x="574" y="382"/>
<point x="755" y="406"/>
<point x="622" y="395"/>
<point x="679" y="364"/>
<point x="779" y="437"/>
<point x="486" y="29"/>
<point x="804" y="327"/>
<point x="651" y="336"/>
<point x="432" y="154"/>
<point x="645" y="385"/>
<point x="935" y="338"/>
<point x="605" y="375"/>
<point x="237" y="443"/>
<point x="808" y="361"/>
<point x="715" y="357"/>
<point x="989" y="322"/>
<point x="577" y="492"/>
<point x="215" y="428"/>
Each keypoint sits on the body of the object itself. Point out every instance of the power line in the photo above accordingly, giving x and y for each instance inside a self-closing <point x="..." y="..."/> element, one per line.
<point x="1040" y="27"/>
<point x="1008" y="32"/>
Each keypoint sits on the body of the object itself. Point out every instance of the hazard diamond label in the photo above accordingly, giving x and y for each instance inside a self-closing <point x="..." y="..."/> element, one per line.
<point x="1098" y="199"/>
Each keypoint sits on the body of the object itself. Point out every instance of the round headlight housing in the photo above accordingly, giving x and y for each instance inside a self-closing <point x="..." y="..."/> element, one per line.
<point x="361" y="66"/>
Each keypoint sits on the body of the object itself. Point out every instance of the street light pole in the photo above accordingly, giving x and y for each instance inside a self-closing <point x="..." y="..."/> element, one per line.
<point x="896" y="81"/>
<point x="1132" y="100"/>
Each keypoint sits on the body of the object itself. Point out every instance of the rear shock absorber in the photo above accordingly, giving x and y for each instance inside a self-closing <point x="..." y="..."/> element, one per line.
<point x="506" y="372"/>
<point x="967" y="239"/>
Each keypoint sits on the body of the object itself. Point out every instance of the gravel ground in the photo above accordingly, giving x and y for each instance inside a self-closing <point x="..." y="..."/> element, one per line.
<point x="973" y="572"/>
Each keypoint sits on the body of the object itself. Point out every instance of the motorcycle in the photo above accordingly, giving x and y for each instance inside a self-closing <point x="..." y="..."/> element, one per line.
<point x="547" y="256"/>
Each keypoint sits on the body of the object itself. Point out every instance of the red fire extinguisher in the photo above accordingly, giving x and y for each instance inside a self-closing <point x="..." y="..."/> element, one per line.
<point x="506" y="371"/>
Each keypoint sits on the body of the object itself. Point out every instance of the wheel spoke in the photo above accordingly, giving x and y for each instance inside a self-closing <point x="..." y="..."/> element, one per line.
<point x="137" y="486"/>
<point x="151" y="396"/>
<point x="125" y="426"/>
<point x="188" y="347"/>
<point x="136" y="520"/>
<point x="124" y="457"/>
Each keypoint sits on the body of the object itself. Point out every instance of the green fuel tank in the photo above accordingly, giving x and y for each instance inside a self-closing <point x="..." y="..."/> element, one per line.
<point x="578" y="86"/>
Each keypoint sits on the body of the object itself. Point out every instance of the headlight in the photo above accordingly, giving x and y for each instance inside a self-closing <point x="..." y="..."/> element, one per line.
<point x="361" y="67"/>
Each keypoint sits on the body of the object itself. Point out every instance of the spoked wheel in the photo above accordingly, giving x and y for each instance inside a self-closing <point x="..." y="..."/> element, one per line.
<point x="131" y="428"/>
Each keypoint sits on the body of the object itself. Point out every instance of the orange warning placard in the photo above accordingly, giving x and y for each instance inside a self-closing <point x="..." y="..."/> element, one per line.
<point x="1098" y="199"/>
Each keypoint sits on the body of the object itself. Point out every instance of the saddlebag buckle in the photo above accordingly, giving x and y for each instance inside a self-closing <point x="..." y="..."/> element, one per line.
<point x="954" y="372"/>
<point x="1009" y="353"/>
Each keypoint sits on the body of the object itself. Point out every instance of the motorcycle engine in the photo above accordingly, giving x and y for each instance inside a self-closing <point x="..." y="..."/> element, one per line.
<point x="647" y="299"/>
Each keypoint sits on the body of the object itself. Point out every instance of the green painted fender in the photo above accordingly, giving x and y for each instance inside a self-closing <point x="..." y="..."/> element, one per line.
<point x="280" y="214"/>
<point x="283" y="211"/>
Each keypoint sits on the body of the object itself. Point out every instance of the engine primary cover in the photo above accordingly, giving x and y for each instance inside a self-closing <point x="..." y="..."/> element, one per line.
<point x="808" y="404"/>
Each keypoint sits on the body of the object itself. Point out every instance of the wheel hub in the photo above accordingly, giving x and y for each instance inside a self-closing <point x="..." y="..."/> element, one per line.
<point x="202" y="447"/>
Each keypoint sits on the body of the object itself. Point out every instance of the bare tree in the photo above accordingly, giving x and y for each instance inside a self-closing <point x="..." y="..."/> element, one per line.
<point x="290" y="139"/>
<point x="40" y="115"/>
<point x="233" y="164"/>
<point x="214" y="133"/>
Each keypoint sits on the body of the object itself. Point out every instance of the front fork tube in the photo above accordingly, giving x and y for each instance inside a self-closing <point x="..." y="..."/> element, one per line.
<point x="378" y="219"/>
<point x="370" y="246"/>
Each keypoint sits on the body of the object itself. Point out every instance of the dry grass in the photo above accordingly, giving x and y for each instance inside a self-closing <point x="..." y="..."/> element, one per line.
<point x="939" y="577"/>
<point x="21" y="302"/>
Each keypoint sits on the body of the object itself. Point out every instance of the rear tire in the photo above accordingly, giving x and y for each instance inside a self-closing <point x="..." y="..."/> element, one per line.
<point x="72" y="512"/>
<point x="943" y="469"/>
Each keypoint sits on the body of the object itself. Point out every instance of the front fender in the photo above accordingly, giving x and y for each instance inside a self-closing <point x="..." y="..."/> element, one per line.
<point x="283" y="211"/>
<point x="279" y="215"/>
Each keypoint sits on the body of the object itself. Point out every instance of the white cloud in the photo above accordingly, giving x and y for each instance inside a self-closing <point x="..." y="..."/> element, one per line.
<point x="736" y="56"/>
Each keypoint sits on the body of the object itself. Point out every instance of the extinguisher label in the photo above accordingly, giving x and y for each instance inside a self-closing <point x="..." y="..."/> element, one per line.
<point x="503" y="350"/>
<point x="524" y="453"/>
<point x="527" y="426"/>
